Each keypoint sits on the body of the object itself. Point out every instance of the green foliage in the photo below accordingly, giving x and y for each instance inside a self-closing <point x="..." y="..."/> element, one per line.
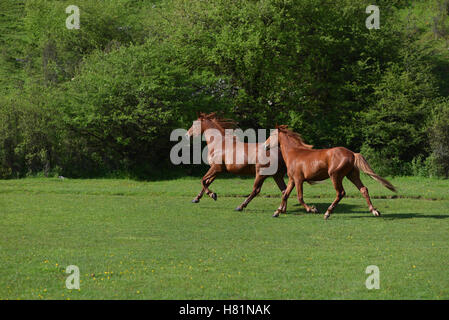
<point x="439" y="139"/>
<point x="127" y="102"/>
<point x="12" y="36"/>
<point x="57" y="51"/>
<point x="288" y="62"/>
<point x="103" y="99"/>
<point x="28" y="136"/>
<point x="395" y="127"/>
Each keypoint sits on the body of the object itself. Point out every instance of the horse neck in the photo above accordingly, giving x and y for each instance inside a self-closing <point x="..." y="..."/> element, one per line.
<point x="283" y="143"/>
<point x="208" y="135"/>
<point x="287" y="144"/>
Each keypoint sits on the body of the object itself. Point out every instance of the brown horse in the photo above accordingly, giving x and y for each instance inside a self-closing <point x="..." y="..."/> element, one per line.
<point x="312" y="165"/>
<point x="220" y="144"/>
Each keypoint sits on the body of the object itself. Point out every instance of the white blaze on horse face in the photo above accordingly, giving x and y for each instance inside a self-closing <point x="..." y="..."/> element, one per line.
<point x="266" y="144"/>
<point x="273" y="140"/>
<point x="195" y="129"/>
<point x="195" y="132"/>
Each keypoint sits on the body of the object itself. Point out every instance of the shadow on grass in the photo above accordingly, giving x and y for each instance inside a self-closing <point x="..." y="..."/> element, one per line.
<point x="394" y="216"/>
<point x="295" y="208"/>
<point x="342" y="208"/>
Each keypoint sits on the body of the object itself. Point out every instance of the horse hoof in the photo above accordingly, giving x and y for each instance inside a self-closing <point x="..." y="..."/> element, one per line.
<point x="376" y="213"/>
<point x="326" y="216"/>
<point x="276" y="215"/>
<point x="238" y="209"/>
<point x="195" y="201"/>
<point x="313" y="209"/>
<point x="214" y="196"/>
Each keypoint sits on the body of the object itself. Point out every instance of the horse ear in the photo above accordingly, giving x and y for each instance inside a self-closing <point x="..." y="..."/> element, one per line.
<point x="211" y="115"/>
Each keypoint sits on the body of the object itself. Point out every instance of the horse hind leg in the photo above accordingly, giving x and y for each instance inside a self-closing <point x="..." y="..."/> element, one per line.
<point x="354" y="177"/>
<point x="279" y="179"/>
<point x="258" y="182"/>
<point x="338" y="185"/>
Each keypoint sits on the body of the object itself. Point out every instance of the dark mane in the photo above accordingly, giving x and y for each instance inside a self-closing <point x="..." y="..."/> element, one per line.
<point x="220" y="121"/>
<point x="295" y="136"/>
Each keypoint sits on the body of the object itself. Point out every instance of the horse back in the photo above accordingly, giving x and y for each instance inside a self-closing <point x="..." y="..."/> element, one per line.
<point x="318" y="164"/>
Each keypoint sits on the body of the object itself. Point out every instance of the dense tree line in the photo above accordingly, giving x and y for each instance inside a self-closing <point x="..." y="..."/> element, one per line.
<point x="104" y="98"/>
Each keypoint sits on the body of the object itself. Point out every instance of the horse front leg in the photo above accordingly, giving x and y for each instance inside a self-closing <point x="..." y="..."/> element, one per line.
<point x="283" y="206"/>
<point x="200" y="195"/>
<point x="206" y="181"/>
<point x="299" y="185"/>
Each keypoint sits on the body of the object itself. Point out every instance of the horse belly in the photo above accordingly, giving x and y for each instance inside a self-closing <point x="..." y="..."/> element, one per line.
<point x="244" y="169"/>
<point x="319" y="176"/>
<point x="316" y="171"/>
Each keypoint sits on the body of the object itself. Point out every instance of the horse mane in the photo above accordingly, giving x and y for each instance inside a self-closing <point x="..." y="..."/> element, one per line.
<point x="218" y="120"/>
<point x="295" y="136"/>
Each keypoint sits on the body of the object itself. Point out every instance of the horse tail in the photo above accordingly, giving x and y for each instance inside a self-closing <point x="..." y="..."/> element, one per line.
<point x="362" y="164"/>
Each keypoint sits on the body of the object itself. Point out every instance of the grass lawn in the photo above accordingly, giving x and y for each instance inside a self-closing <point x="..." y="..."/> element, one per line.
<point x="146" y="240"/>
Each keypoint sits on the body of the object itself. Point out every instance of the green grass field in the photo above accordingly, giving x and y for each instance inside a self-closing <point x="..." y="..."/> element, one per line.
<point x="146" y="240"/>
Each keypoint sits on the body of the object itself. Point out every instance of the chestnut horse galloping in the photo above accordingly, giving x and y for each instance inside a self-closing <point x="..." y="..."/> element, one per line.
<point x="312" y="165"/>
<point x="221" y="144"/>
